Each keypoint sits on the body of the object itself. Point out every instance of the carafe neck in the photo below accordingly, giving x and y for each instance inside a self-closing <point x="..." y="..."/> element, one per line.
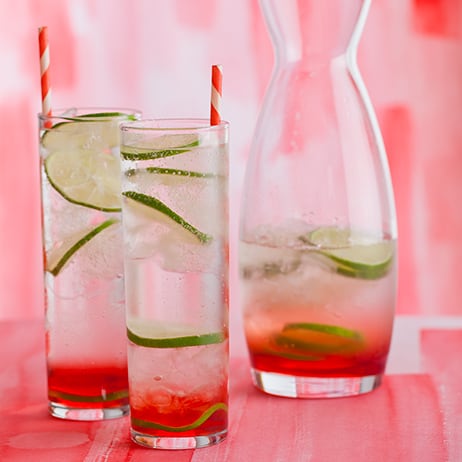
<point x="314" y="31"/>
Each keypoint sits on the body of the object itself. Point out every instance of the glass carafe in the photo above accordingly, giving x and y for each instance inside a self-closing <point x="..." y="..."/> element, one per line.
<point x="318" y="228"/>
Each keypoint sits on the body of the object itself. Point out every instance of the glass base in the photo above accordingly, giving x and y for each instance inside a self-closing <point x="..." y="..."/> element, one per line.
<point x="292" y="386"/>
<point x="74" y="413"/>
<point x="171" y="442"/>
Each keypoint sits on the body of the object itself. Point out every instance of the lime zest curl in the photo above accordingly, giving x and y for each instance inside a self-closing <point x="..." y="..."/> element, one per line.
<point x="183" y="428"/>
<point x="114" y="396"/>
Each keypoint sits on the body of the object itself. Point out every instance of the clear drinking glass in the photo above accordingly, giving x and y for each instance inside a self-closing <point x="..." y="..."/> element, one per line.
<point x="84" y="285"/>
<point x="175" y="222"/>
<point x="318" y="227"/>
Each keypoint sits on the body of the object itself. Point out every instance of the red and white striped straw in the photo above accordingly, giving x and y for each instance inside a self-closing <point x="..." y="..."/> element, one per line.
<point x="215" y="101"/>
<point x="45" y="70"/>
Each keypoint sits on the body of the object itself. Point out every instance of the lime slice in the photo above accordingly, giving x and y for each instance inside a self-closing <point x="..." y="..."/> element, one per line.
<point x="162" y="146"/>
<point x="354" y="254"/>
<point x="85" y="178"/>
<point x="83" y="169"/>
<point x="57" y="258"/>
<point x="105" y="115"/>
<point x="150" y="334"/>
<point x="174" y="141"/>
<point x="313" y="339"/>
<point x="323" y="328"/>
<point x="165" y="211"/>
<point x="176" y="342"/>
<point x="98" y="131"/>
<point x="97" y="116"/>
<point x="170" y="171"/>
<point x="330" y="236"/>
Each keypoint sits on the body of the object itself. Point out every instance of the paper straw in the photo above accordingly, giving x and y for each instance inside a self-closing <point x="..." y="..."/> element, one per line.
<point x="215" y="101"/>
<point x="45" y="70"/>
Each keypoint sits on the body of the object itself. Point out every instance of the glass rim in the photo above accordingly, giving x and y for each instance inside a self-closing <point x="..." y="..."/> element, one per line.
<point x="173" y="124"/>
<point x="84" y="113"/>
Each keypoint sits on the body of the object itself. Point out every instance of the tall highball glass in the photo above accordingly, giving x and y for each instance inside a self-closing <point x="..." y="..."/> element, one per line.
<point x="82" y="241"/>
<point x="175" y="222"/>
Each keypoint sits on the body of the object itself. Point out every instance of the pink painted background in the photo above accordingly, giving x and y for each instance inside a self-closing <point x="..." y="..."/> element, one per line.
<point x="156" y="55"/>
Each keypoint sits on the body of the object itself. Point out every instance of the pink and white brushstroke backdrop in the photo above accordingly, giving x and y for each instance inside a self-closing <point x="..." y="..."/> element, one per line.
<point x="156" y="55"/>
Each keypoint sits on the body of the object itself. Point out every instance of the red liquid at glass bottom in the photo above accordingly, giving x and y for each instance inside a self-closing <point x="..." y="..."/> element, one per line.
<point x="86" y="387"/>
<point x="187" y="416"/>
<point x="311" y="374"/>
<point x="330" y="366"/>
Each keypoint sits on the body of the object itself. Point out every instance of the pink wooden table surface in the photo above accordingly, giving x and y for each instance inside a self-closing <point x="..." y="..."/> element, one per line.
<point x="415" y="416"/>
